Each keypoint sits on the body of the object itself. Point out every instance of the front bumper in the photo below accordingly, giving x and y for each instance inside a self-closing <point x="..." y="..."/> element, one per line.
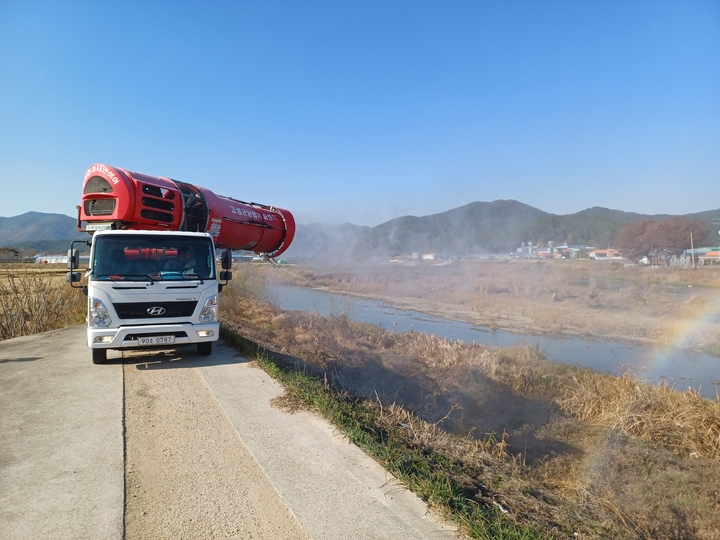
<point x="127" y="337"/>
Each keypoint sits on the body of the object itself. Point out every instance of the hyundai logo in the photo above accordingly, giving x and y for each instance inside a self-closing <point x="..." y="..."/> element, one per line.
<point x="156" y="311"/>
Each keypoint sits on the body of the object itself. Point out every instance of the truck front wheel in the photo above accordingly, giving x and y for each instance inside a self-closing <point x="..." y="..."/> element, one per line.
<point x="99" y="356"/>
<point x="205" y="349"/>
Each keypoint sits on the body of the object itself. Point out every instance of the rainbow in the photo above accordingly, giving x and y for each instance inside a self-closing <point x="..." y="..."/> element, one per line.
<point x="678" y="359"/>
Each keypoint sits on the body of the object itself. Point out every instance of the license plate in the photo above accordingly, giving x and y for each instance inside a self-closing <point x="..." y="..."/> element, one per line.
<point x="156" y="340"/>
<point x="98" y="226"/>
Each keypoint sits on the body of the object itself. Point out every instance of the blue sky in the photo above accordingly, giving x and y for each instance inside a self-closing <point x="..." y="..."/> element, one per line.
<point x="365" y="111"/>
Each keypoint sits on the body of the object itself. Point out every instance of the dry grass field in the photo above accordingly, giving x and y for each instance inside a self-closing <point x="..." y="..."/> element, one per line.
<point x="558" y="448"/>
<point x="35" y="298"/>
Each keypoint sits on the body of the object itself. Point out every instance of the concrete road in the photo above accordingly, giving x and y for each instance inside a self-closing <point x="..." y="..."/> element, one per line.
<point x="334" y="489"/>
<point x="62" y="450"/>
<point x="61" y="440"/>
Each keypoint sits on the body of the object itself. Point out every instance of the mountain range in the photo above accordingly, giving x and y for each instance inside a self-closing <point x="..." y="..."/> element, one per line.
<point x="476" y="228"/>
<point x="39" y="232"/>
<point x="479" y="227"/>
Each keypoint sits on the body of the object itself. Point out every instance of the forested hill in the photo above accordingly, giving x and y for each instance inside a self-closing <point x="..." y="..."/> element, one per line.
<point x="479" y="227"/>
<point x="37" y="226"/>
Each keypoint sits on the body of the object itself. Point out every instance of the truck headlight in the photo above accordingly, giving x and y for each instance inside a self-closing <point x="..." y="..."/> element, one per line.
<point x="209" y="312"/>
<point x="99" y="317"/>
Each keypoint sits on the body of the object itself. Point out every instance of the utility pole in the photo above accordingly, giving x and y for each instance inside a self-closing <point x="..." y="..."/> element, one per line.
<point x="692" y="250"/>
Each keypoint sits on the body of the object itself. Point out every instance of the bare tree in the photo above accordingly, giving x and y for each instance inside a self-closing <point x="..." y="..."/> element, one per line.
<point x="672" y="234"/>
<point x="8" y="254"/>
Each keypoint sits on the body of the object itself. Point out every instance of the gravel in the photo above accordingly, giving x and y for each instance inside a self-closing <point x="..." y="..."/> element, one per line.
<point x="188" y="474"/>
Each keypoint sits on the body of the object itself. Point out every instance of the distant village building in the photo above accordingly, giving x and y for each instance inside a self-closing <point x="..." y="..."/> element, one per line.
<point x="606" y="255"/>
<point x="527" y="250"/>
<point x="58" y="259"/>
<point x="700" y="256"/>
<point x="710" y="257"/>
<point x="662" y="257"/>
<point x="564" y="251"/>
<point x="50" y="259"/>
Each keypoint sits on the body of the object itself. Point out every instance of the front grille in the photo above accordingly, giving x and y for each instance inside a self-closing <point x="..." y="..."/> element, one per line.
<point x="158" y="203"/>
<point x="155" y="191"/>
<point x="139" y="310"/>
<point x="99" y="207"/>
<point x="156" y="216"/>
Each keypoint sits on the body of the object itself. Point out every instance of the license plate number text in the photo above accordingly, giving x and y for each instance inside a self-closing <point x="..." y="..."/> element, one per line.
<point x="156" y="340"/>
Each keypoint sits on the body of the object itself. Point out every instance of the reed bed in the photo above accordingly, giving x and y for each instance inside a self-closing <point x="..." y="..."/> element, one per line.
<point x="683" y="422"/>
<point x="34" y="301"/>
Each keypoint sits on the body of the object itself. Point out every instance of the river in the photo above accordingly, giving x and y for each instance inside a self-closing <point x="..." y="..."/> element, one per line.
<point x="680" y="368"/>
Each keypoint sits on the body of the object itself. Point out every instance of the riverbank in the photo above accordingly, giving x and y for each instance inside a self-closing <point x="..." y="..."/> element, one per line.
<point x="551" y="448"/>
<point x="666" y="307"/>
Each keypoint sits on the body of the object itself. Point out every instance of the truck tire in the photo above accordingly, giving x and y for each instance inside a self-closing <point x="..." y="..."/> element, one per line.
<point x="205" y="349"/>
<point x="99" y="356"/>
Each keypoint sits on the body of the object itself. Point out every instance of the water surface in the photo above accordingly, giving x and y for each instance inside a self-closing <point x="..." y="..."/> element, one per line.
<point x="681" y="369"/>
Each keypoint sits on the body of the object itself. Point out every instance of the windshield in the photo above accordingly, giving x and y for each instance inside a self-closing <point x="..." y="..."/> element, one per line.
<point x="156" y="257"/>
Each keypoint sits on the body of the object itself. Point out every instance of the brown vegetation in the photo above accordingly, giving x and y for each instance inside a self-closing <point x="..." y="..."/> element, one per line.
<point x="673" y="233"/>
<point x="36" y="299"/>
<point x="570" y="451"/>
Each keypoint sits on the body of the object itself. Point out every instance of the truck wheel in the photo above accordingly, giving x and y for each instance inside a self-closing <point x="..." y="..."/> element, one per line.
<point x="99" y="356"/>
<point x="205" y="349"/>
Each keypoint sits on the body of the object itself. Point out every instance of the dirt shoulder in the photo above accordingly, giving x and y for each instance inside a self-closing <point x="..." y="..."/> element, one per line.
<point x="210" y="456"/>
<point x="188" y="474"/>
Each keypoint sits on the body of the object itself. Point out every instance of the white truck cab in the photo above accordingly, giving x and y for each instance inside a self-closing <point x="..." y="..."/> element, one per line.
<point x="151" y="289"/>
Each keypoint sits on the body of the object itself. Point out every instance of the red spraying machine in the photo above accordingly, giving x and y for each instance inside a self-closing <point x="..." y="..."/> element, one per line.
<point x="115" y="198"/>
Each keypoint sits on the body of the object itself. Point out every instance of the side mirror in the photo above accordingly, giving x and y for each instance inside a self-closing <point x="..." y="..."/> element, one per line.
<point x="225" y="276"/>
<point x="73" y="256"/>
<point x="73" y="263"/>
<point x="226" y="260"/>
